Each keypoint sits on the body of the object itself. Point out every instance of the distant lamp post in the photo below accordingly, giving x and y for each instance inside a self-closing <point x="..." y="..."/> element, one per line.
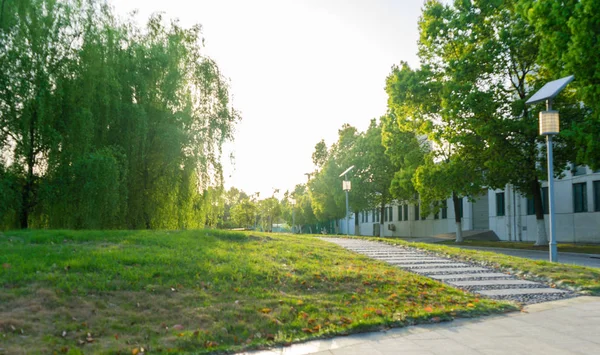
<point x="549" y="126"/>
<point x="346" y="186"/>
<point x="293" y="204"/>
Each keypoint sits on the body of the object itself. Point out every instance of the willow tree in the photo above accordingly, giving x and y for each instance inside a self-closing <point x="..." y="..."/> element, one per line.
<point x="108" y="125"/>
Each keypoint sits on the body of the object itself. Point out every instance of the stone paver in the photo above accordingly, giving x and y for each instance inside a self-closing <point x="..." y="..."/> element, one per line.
<point x="492" y="283"/>
<point x="566" y="327"/>
<point x="454" y="270"/>
<point x="470" y="276"/>
<point x="519" y="291"/>
<point x="444" y="264"/>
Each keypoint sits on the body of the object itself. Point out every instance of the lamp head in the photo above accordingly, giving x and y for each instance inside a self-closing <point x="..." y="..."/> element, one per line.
<point x="549" y="123"/>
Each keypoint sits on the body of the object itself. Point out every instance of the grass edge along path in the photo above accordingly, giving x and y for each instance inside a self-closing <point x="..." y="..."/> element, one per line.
<point x="562" y="247"/>
<point x="581" y="279"/>
<point x="205" y="291"/>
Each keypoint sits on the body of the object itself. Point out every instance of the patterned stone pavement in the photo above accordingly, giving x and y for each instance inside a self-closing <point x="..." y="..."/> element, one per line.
<point x="484" y="281"/>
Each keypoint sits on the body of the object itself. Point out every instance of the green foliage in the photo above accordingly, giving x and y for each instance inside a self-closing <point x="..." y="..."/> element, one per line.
<point x="374" y="170"/>
<point x="568" y="33"/>
<point x="244" y="213"/>
<point x="269" y="210"/>
<point x="302" y="212"/>
<point x="406" y="152"/>
<point x="107" y="125"/>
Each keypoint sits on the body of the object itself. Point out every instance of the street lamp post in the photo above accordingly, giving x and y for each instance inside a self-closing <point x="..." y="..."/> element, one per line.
<point x="549" y="126"/>
<point x="347" y="186"/>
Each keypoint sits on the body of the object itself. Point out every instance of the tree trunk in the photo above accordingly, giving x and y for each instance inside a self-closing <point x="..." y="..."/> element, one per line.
<point x="456" y="201"/>
<point x="381" y="215"/>
<point x="27" y="194"/>
<point x="356" y="224"/>
<point x="541" y="238"/>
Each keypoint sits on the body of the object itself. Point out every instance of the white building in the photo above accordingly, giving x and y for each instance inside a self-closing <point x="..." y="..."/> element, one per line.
<point x="510" y="215"/>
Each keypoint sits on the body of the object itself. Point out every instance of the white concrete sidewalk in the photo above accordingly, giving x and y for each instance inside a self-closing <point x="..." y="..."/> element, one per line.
<point x="570" y="326"/>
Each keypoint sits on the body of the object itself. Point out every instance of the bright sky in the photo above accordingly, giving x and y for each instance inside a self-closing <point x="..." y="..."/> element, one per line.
<point x="299" y="69"/>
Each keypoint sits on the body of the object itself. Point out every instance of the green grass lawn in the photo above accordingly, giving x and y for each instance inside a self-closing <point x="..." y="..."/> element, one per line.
<point x="579" y="278"/>
<point x="563" y="247"/>
<point x="201" y="292"/>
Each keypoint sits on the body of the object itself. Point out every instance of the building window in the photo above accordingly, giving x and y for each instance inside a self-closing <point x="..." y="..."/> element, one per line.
<point x="406" y="212"/>
<point x="500" y="204"/>
<point x="378" y="216"/>
<point x="400" y="212"/>
<point x="385" y="214"/>
<point x="578" y="170"/>
<point x="580" y="197"/>
<point x="391" y="213"/>
<point x="530" y="206"/>
<point x="416" y="212"/>
<point x="545" y="201"/>
<point x="444" y="209"/>
<point x="597" y="195"/>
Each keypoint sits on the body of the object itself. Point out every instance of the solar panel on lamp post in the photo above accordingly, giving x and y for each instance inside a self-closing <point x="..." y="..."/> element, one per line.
<point x="346" y="186"/>
<point x="549" y="126"/>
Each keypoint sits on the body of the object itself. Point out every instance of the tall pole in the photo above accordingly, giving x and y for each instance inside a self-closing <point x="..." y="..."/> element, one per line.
<point x="552" y="244"/>
<point x="347" y="209"/>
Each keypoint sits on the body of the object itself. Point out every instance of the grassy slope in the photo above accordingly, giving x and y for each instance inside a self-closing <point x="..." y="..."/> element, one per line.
<point x="562" y="247"/>
<point x="201" y="291"/>
<point x="578" y="278"/>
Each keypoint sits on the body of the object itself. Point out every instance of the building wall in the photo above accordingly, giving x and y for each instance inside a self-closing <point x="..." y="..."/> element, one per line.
<point x="418" y="228"/>
<point x="516" y="224"/>
<point x="570" y="226"/>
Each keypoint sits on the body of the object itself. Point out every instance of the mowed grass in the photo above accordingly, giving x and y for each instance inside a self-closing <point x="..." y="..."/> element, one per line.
<point x="202" y="292"/>
<point x="562" y="247"/>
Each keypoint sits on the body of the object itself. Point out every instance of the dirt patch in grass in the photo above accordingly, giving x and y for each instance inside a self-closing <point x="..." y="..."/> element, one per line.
<point x="49" y="320"/>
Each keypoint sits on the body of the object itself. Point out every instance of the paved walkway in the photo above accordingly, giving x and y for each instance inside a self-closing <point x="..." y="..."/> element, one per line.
<point x="475" y="278"/>
<point x="564" y="327"/>
<point x="591" y="260"/>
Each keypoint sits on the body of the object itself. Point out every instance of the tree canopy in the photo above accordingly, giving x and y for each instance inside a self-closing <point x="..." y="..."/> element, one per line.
<point x="105" y="124"/>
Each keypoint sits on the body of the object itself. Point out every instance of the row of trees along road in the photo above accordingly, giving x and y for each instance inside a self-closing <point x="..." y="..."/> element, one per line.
<point x="244" y="211"/>
<point x="104" y="124"/>
<point x="458" y="125"/>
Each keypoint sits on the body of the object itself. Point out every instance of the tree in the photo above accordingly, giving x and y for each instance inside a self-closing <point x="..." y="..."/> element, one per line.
<point x="243" y="214"/>
<point x="300" y="213"/>
<point x="406" y="153"/>
<point x="479" y="59"/>
<point x="421" y="102"/>
<point x="232" y="197"/>
<point x="33" y="57"/>
<point x="327" y="197"/>
<point x="107" y="125"/>
<point x="269" y="210"/>
<point x="374" y="170"/>
<point x="568" y="33"/>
